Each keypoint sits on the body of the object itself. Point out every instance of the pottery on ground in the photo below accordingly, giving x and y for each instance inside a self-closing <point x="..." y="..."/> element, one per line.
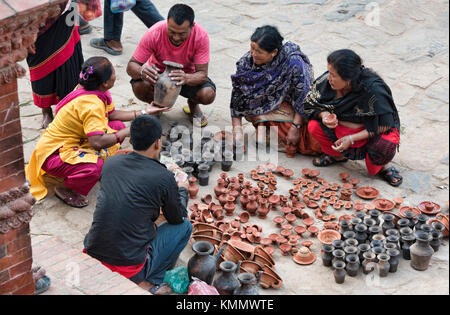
<point x="304" y="256"/>
<point x="166" y="90"/>
<point x="429" y="207"/>
<point x="328" y="236"/>
<point x="367" y="192"/>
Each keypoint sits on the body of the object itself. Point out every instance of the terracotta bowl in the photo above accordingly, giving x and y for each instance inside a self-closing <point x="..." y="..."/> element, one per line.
<point x="328" y="236"/>
<point x="260" y="251"/>
<point x="268" y="281"/>
<point x="269" y="250"/>
<point x="269" y="270"/>
<point x="251" y="266"/>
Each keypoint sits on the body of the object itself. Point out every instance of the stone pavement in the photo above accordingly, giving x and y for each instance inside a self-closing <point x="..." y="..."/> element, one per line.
<point x="405" y="41"/>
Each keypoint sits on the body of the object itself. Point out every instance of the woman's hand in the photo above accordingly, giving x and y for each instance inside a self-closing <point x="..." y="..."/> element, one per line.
<point x="342" y="144"/>
<point x="329" y="120"/>
<point x="152" y="109"/>
<point x="293" y="136"/>
<point x="149" y="74"/>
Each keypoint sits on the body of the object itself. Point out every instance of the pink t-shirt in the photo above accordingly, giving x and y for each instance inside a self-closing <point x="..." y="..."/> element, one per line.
<point x="155" y="47"/>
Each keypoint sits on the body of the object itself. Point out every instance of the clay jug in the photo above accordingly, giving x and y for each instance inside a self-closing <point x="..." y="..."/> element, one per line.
<point x="407" y="242"/>
<point x="193" y="188"/>
<point x="220" y="188"/>
<point x="339" y="272"/>
<point x="244" y="199"/>
<point x="248" y="285"/>
<point x="383" y="265"/>
<point x="228" y="280"/>
<point x="166" y="90"/>
<point x="352" y="265"/>
<point x="203" y="264"/>
<point x="203" y="174"/>
<point x="229" y="206"/>
<point x="394" y="261"/>
<point x="368" y="265"/>
<point x="327" y="254"/>
<point x="262" y="210"/>
<point x="421" y="251"/>
<point x="252" y="204"/>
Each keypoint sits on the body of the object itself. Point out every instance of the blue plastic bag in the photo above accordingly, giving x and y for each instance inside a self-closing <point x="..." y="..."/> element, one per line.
<point x="118" y="6"/>
<point x="178" y="279"/>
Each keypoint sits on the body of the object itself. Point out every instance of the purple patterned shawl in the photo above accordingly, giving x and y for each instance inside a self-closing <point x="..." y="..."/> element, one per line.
<point x="258" y="90"/>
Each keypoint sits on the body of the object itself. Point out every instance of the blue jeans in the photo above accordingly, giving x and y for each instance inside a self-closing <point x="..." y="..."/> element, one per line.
<point x="113" y="22"/>
<point x="164" y="251"/>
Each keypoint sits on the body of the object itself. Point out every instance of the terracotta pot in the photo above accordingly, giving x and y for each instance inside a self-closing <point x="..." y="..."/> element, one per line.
<point x="251" y="266"/>
<point x="308" y="222"/>
<point x="193" y="188"/>
<point x="328" y="236"/>
<point x="244" y="216"/>
<point x="268" y="281"/>
<point x="383" y="204"/>
<point x="285" y="249"/>
<point x="232" y="254"/>
<point x="278" y="220"/>
<point x="166" y="91"/>
<point x="262" y="210"/>
<point x="220" y="188"/>
<point x="300" y="229"/>
<point x="421" y="251"/>
<point x="252" y="205"/>
<point x="245" y="248"/>
<point x="288" y="173"/>
<point x="229" y="206"/>
<point x="313" y="230"/>
<point x="339" y="272"/>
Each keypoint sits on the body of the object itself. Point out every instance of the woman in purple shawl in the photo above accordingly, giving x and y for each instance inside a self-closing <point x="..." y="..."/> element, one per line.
<point x="269" y="87"/>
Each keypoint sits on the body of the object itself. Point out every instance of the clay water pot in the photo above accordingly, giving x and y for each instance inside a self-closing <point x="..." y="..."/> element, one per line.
<point x="338" y="255"/>
<point x="352" y="265"/>
<point x="368" y="265"/>
<point x="229" y="206"/>
<point x="249" y="284"/>
<point x="362" y="248"/>
<point x="244" y="199"/>
<point x="328" y="236"/>
<point x="203" y="264"/>
<point x="361" y="235"/>
<point x="327" y="255"/>
<point x="203" y="174"/>
<point x="436" y="242"/>
<point x="339" y="272"/>
<point x="252" y="205"/>
<point x="227" y="281"/>
<point x="345" y="226"/>
<point x="193" y="188"/>
<point x="348" y="235"/>
<point x="394" y="260"/>
<point x="407" y="241"/>
<point x="421" y="251"/>
<point x="166" y="91"/>
<point x="383" y="265"/>
<point x="338" y="244"/>
<point x="220" y="189"/>
<point x="388" y="222"/>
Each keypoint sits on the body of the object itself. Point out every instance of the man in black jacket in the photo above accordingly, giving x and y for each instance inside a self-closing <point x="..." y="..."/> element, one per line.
<point x="134" y="189"/>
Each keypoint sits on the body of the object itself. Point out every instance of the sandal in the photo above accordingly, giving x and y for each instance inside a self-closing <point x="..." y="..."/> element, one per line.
<point x="327" y="160"/>
<point x="199" y="120"/>
<point x="392" y="176"/>
<point x="72" y="199"/>
<point x="100" y="43"/>
<point x="161" y="289"/>
<point x="85" y="30"/>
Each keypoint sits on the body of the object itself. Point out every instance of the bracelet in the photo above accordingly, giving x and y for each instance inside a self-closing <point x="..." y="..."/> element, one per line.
<point x="298" y="126"/>
<point x="117" y="137"/>
<point x="351" y="139"/>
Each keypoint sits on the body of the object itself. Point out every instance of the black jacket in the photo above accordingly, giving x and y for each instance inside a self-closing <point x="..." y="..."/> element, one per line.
<point x="133" y="190"/>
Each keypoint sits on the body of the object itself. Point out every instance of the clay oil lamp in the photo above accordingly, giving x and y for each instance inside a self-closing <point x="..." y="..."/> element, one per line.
<point x="335" y="187"/>
<point x="327" y="194"/>
<point x="278" y="220"/>
<point x="344" y="176"/>
<point x="429" y="207"/>
<point x="347" y="186"/>
<point x="287" y="226"/>
<point x="274" y="201"/>
<point x="288" y="173"/>
<point x="300" y="229"/>
<point x="369" y="206"/>
<point x="281" y="240"/>
<point x="308" y="222"/>
<point x="358" y="206"/>
<point x="274" y="237"/>
<point x="313" y="174"/>
<point x="313" y="230"/>
<point x="304" y="256"/>
<point x="244" y="217"/>
<point x="313" y="205"/>
<point x="398" y="201"/>
<point x="383" y="204"/>
<point x="286" y="210"/>
<point x="354" y="182"/>
<point x="279" y="170"/>
<point x="337" y="206"/>
<point x="207" y="216"/>
<point x="291" y="218"/>
<point x="367" y="192"/>
<point x="285" y="233"/>
<point x="346" y="194"/>
<point x="348" y="205"/>
<point x="266" y="241"/>
<point x="306" y="172"/>
<point x="285" y="249"/>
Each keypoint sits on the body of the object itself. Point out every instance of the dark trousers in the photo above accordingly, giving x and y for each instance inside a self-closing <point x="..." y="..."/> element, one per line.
<point x="113" y="22"/>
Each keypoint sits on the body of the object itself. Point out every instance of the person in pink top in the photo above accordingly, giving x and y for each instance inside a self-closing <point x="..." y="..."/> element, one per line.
<point x="180" y="40"/>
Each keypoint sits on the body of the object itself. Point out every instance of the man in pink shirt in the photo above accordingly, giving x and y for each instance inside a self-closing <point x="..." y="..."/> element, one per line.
<point x="179" y="40"/>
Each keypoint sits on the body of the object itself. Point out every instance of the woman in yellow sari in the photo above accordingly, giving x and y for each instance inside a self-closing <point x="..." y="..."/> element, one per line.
<point x="86" y="130"/>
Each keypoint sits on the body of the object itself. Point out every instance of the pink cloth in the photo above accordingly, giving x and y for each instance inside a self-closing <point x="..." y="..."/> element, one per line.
<point x="155" y="47"/>
<point x="105" y="97"/>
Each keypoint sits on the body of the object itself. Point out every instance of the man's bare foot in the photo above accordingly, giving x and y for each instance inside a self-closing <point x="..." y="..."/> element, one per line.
<point x="162" y="289"/>
<point x="71" y="197"/>
<point x="47" y="118"/>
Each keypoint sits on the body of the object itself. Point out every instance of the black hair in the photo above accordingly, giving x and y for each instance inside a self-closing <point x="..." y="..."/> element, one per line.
<point x="268" y="38"/>
<point x="94" y="72"/>
<point x="145" y="130"/>
<point x="181" y="13"/>
<point x="349" y="66"/>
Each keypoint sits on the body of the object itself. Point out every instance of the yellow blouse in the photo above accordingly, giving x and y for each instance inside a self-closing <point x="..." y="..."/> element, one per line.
<point x="79" y="119"/>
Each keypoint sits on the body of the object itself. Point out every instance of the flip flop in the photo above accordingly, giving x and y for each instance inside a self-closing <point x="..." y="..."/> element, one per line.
<point x="327" y="160"/>
<point x="100" y="43"/>
<point x="196" y="118"/>
<point x="71" y="200"/>
<point x="390" y="175"/>
<point x="85" y="30"/>
<point x="163" y="286"/>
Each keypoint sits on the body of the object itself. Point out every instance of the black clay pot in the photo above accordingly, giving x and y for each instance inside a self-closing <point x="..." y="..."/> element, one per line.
<point x="352" y="265"/>
<point x="339" y="272"/>
<point x="394" y="260"/>
<point x="227" y="282"/>
<point x="374" y="230"/>
<point x="421" y="251"/>
<point x="327" y="255"/>
<point x="338" y="244"/>
<point x="375" y="214"/>
<point x="421" y="219"/>
<point x="338" y="255"/>
<point x="383" y="265"/>
<point x="402" y="223"/>
<point x="436" y="241"/>
<point x="203" y="264"/>
<point x="388" y="222"/>
<point x="361" y="234"/>
<point x="348" y="235"/>
<point x="345" y="226"/>
<point x="203" y="174"/>
<point x="249" y="284"/>
<point x="408" y="241"/>
<point x="362" y="248"/>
